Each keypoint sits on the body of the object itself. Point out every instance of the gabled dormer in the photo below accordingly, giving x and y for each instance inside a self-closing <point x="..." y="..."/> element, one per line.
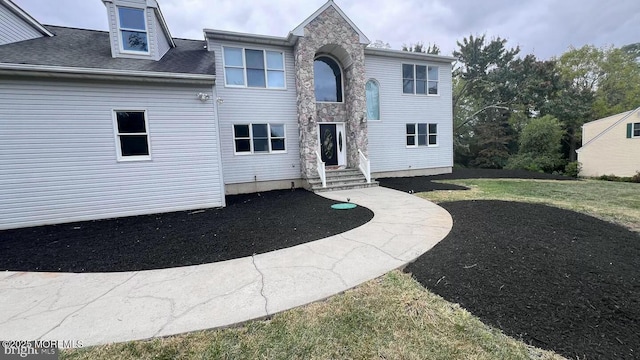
<point x="137" y="29"/>
<point x="16" y="25"/>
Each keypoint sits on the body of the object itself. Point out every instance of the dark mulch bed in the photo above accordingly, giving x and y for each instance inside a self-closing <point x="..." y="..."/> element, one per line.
<point x="423" y="183"/>
<point x="557" y="279"/>
<point x="250" y="224"/>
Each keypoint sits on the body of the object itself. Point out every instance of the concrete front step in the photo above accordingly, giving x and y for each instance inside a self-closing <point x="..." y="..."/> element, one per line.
<point x="351" y="186"/>
<point x="341" y="179"/>
<point x="336" y="180"/>
<point x="343" y="173"/>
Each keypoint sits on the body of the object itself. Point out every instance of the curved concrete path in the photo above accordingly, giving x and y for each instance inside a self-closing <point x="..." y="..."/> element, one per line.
<point x="99" y="308"/>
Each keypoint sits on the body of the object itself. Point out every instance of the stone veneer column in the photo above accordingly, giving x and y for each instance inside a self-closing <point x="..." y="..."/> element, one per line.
<point x="329" y="28"/>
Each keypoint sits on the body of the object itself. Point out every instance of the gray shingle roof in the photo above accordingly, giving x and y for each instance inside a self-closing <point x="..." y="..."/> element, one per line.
<point x="91" y="49"/>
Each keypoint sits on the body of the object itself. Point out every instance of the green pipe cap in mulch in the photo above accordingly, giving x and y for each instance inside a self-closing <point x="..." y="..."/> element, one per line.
<point x="343" y="206"/>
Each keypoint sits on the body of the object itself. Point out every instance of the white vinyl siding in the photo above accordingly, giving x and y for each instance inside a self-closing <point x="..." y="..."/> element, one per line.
<point x="14" y="29"/>
<point x="160" y="37"/>
<point x="387" y="148"/>
<point x="258" y="105"/>
<point x="59" y="159"/>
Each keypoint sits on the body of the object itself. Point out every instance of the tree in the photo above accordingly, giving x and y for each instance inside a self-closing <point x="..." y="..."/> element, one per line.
<point x="540" y="146"/>
<point x="419" y="48"/>
<point x="482" y="134"/>
<point x="632" y="50"/>
<point x="619" y="85"/>
<point x="379" y="44"/>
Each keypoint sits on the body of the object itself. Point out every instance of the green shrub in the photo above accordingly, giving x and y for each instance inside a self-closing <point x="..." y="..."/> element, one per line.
<point x="572" y="169"/>
<point x="633" y="179"/>
<point x="540" y="146"/>
<point x="609" y="178"/>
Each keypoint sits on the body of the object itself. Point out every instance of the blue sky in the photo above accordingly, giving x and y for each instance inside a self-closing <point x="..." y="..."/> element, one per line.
<point x="545" y="28"/>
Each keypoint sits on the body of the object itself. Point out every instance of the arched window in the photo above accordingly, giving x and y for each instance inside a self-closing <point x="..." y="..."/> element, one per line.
<point x="373" y="100"/>
<point x="327" y="78"/>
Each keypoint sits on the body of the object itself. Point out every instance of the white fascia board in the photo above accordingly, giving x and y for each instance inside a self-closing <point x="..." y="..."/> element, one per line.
<point x="249" y="38"/>
<point x="163" y="23"/>
<point x="409" y="55"/>
<point x="26" y="17"/>
<point x="52" y="71"/>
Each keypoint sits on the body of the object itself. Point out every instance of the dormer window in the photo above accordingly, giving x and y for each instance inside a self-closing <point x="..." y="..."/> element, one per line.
<point x="132" y="26"/>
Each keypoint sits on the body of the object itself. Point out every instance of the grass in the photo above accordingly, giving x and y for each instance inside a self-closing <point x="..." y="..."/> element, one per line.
<point x="611" y="201"/>
<point x="392" y="317"/>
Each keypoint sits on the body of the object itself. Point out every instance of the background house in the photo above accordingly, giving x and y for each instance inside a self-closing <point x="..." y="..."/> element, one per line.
<point x="131" y="121"/>
<point x="611" y="146"/>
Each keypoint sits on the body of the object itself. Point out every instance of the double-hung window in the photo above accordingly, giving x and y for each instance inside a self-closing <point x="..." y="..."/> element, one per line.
<point x="132" y="135"/>
<point x="259" y="138"/>
<point x="132" y="27"/>
<point x="422" y="134"/>
<point x="254" y="68"/>
<point x="419" y="79"/>
<point x="636" y="130"/>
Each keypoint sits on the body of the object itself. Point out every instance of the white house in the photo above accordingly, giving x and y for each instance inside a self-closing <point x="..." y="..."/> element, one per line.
<point x="610" y="146"/>
<point x="133" y="121"/>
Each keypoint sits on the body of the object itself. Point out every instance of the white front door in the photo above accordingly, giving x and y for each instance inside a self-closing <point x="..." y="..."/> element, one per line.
<point x="333" y="143"/>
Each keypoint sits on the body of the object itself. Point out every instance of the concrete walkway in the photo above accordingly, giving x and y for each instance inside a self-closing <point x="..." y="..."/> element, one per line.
<point x="99" y="308"/>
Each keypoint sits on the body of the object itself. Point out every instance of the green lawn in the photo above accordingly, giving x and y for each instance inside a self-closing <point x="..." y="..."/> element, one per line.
<point x="392" y="317"/>
<point x="611" y="201"/>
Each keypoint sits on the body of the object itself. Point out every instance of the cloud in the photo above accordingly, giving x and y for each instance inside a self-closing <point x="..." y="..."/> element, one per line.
<point x="543" y="27"/>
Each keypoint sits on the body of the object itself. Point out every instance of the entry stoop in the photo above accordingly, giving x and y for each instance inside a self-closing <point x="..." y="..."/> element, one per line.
<point x="341" y="179"/>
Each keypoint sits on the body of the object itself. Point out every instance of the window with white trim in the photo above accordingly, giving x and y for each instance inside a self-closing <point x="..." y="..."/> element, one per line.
<point x="132" y="27"/>
<point x="372" y="91"/>
<point x="259" y="138"/>
<point x="422" y="134"/>
<point x="636" y="130"/>
<point x="254" y="68"/>
<point x="132" y="135"/>
<point x="419" y="79"/>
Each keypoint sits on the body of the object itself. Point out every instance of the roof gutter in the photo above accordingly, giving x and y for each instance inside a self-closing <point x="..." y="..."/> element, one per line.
<point x="110" y="74"/>
<point x="409" y="55"/>
<point x="250" y="38"/>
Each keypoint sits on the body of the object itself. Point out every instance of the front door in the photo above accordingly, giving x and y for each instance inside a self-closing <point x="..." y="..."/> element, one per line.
<point x="332" y="144"/>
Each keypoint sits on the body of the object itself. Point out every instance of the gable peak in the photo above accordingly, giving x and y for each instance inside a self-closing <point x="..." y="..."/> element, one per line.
<point x="299" y="30"/>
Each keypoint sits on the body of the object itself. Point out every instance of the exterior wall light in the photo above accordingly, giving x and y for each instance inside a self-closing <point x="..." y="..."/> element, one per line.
<point x="203" y="96"/>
